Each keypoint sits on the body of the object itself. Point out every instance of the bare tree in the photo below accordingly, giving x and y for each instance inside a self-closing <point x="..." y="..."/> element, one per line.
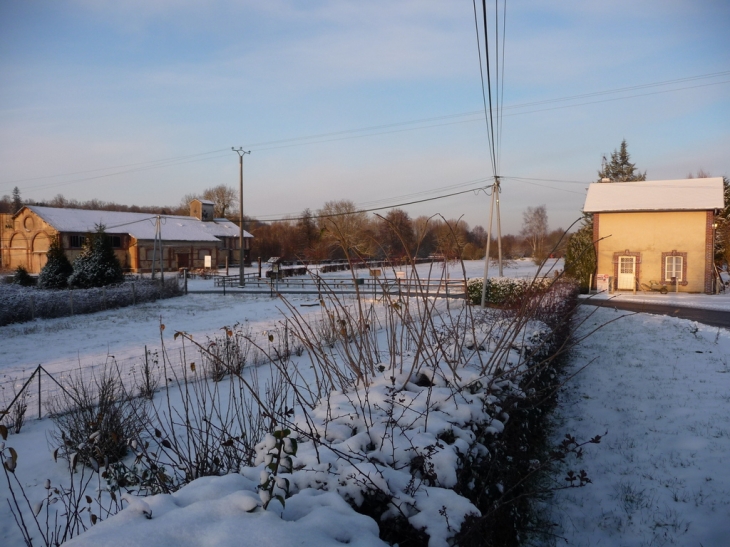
<point x="396" y="237"/>
<point x="535" y="229"/>
<point x="6" y="204"/>
<point x="224" y="197"/>
<point x="344" y="227"/>
<point x="184" y="207"/>
<point x="451" y="238"/>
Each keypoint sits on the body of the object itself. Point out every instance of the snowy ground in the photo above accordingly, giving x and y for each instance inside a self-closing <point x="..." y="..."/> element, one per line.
<point x="68" y="342"/>
<point x="660" y="388"/>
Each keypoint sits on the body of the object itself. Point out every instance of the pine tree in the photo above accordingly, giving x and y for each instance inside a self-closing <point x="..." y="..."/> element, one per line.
<point x="97" y="265"/>
<point x="620" y="169"/>
<point x="580" y="255"/>
<point x="57" y="270"/>
<point x="17" y="202"/>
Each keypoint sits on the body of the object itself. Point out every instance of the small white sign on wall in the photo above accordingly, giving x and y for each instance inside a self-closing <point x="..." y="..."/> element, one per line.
<point x="208" y="261"/>
<point x="603" y="282"/>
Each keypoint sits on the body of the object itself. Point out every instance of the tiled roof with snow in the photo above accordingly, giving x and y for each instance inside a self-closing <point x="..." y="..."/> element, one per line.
<point x="138" y="225"/>
<point x="655" y="195"/>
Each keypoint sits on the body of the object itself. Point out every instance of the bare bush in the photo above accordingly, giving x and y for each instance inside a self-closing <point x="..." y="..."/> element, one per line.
<point x="97" y="408"/>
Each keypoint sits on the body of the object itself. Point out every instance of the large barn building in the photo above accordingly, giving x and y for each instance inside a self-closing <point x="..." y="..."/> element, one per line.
<point x="186" y="240"/>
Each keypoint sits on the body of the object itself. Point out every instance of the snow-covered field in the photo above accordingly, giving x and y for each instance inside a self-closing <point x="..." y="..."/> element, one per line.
<point x="68" y="342"/>
<point x="658" y="386"/>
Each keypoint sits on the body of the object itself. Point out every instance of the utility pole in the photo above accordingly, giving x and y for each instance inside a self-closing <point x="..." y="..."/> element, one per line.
<point x="495" y="198"/>
<point x="241" y="152"/>
<point x="162" y="252"/>
<point x="499" y="228"/>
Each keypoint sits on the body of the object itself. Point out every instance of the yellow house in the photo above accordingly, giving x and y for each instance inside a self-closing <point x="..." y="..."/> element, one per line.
<point x="661" y="231"/>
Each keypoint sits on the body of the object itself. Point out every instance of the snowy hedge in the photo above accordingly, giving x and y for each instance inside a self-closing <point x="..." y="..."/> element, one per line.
<point x="18" y="304"/>
<point x="505" y="292"/>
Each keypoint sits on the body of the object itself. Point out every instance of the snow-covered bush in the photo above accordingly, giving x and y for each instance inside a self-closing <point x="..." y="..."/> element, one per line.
<point x="505" y="292"/>
<point x="55" y="274"/>
<point x="97" y="265"/>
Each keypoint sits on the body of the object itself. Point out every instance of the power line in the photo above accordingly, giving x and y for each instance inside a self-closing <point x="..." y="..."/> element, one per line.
<point x="546" y="186"/>
<point x="297" y="141"/>
<point x="374" y="203"/>
<point x="501" y="104"/>
<point x="623" y="89"/>
<point x="107" y="175"/>
<point x="370" y="210"/>
<point x="116" y="167"/>
<point x="489" y="87"/>
<point x="481" y="71"/>
<point x="547" y="180"/>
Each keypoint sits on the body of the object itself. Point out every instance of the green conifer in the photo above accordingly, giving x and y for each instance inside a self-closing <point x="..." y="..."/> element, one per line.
<point x="620" y="169"/>
<point x="97" y="265"/>
<point x="57" y="270"/>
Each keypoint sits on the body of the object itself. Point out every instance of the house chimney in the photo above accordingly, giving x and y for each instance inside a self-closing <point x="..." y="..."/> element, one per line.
<point x="202" y="209"/>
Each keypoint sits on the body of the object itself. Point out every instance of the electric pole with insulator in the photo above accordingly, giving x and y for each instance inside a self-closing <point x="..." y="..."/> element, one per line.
<point x="241" y="152"/>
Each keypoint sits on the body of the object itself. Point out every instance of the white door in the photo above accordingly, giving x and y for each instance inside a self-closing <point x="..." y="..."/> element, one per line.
<point x="626" y="272"/>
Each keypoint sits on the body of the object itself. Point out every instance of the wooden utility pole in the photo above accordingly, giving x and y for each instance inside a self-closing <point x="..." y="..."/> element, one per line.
<point x="241" y="152"/>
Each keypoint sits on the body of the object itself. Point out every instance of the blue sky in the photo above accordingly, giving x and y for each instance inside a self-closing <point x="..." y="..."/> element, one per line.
<point x="104" y="89"/>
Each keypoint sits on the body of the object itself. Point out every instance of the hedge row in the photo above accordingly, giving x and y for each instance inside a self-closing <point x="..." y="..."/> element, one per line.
<point x="505" y="292"/>
<point x="18" y="304"/>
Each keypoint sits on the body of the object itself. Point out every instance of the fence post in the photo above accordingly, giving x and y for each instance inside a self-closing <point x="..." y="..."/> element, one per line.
<point x="185" y="276"/>
<point x="286" y="339"/>
<point x="39" y="392"/>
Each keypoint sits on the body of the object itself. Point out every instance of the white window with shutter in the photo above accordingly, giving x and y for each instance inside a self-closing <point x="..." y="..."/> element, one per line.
<point x="673" y="268"/>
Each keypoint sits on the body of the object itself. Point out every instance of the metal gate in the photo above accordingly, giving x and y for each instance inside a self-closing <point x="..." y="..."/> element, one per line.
<point x="626" y="272"/>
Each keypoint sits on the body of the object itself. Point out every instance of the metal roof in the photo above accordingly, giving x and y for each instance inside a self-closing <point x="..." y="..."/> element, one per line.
<point x="138" y="225"/>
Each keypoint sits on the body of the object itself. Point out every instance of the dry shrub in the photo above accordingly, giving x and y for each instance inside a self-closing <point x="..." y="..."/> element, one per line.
<point x="98" y="408"/>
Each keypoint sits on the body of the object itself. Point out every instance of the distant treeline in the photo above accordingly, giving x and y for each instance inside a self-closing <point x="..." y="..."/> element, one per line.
<point x="338" y="230"/>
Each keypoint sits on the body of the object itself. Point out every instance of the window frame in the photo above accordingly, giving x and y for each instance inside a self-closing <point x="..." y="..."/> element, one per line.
<point x="672" y="257"/>
<point x="73" y="241"/>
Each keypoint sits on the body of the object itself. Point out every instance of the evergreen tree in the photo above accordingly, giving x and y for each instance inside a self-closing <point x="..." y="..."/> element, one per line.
<point x="57" y="270"/>
<point x="22" y="277"/>
<point x="97" y="265"/>
<point x="620" y="169"/>
<point x="17" y="202"/>
<point x="722" y="233"/>
<point x="580" y="256"/>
